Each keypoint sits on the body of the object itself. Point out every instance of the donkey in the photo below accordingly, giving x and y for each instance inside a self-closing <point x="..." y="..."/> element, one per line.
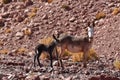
<point x="47" y="48"/>
<point x="75" y="44"/>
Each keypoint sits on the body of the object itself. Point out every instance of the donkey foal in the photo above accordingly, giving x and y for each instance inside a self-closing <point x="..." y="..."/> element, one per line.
<point x="47" y="48"/>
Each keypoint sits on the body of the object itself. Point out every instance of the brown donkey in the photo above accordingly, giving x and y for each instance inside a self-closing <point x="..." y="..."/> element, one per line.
<point x="74" y="44"/>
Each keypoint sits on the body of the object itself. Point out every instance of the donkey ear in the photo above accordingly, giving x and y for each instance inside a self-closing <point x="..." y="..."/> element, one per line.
<point x="91" y="30"/>
<point x="54" y="37"/>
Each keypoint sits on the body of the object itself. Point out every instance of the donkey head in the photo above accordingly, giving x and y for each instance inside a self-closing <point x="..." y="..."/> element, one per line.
<point x="90" y="31"/>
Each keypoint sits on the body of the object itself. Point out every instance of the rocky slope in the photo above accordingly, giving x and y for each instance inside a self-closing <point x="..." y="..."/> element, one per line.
<point x="24" y="23"/>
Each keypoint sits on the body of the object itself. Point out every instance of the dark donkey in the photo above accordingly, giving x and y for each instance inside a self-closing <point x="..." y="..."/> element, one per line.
<point x="47" y="48"/>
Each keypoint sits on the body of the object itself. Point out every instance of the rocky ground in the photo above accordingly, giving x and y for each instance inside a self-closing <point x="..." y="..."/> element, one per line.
<point x="24" y="22"/>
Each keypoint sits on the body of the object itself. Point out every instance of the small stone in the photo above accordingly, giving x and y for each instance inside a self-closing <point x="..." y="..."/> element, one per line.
<point x="61" y="76"/>
<point x="76" y="77"/>
<point x="19" y="35"/>
<point x="5" y="15"/>
<point x="4" y="78"/>
<point x="68" y="78"/>
<point x="101" y="66"/>
<point x="28" y="2"/>
<point x="102" y="56"/>
<point x="20" y="6"/>
<point x="111" y="5"/>
<point x="1" y="22"/>
<point x="30" y="53"/>
<point x="97" y="72"/>
<point x="19" y="19"/>
<point x="26" y="10"/>
<point x="55" y="63"/>
<point x="43" y="0"/>
<point x="4" y="9"/>
<point x="87" y="72"/>
<point x="1" y="5"/>
<point x="32" y="77"/>
<point x="45" y="17"/>
<point x="43" y="69"/>
<point x="70" y="29"/>
<point x="72" y="19"/>
<point x="44" y="77"/>
<point x="66" y="24"/>
<point x="58" y="23"/>
<point x="27" y="31"/>
<point x="56" y="72"/>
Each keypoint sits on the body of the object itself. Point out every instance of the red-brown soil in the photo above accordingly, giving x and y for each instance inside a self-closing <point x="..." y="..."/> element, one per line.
<point x="44" y="19"/>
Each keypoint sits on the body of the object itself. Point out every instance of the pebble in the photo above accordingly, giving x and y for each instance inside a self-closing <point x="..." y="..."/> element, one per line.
<point x="31" y="53"/>
<point x="19" y="18"/>
<point x="4" y="9"/>
<point x="28" y="2"/>
<point x="110" y="4"/>
<point x="32" y="77"/>
<point x="87" y="72"/>
<point x="44" y="77"/>
<point x="76" y="77"/>
<point x="45" y="17"/>
<point x="20" y="6"/>
<point x="55" y="63"/>
<point x="26" y="10"/>
<point x="1" y="22"/>
<point x="97" y="72"/>
<point x="5" y="15"/>
<point x="72" y="19"/>
<point x="68" y="78"/>
<point x="19" y="35"/>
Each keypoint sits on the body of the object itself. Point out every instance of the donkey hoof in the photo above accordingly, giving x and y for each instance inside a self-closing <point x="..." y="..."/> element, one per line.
<point x="50" y="69"/>
<point x="85" y="65"/>
<point x="41" y="65"/>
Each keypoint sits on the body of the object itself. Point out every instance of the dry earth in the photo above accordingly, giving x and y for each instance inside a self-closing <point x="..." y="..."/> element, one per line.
<point x="23" y="24"/>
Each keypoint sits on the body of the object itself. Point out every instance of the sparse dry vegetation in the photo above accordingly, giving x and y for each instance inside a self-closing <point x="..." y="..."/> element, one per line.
<point x="115" y="11"/>
<point x="31" y="14"/>
<point x="6" y="1"/>
<point x="24" y="22"/>
<point x="66" y="7"/>
<point x="44" y="56"/>
<point x="1" y="42"/>
<point x="46" y="41"/>
<point x="34" y="10"/>
<point x="116" y="64"/>
<point x="100" y="15"/>
<point x="8" y="30"/>
<point x="27" y="31"/>
<point x="4" y="51"/>
<point x="76" y="57"/>
<point x="49" y="1"/>
<point x="21" y="50"/>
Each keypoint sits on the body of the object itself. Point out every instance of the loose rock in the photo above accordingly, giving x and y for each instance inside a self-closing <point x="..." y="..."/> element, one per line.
<point x="72" y="19"/>
<point x="19" y="35"/>
<point x="28" y="2"/>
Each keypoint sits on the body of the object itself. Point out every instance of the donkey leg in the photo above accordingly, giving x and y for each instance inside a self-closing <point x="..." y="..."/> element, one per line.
<point x="85" y="58"/>
<point x="38" y="59"/>
<point x="60" y="56"/>
<point x="51" y="60"/>
<point x="35" y="59"/>
<point x="36" y="54"/>
<point x="56" y="55"/>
